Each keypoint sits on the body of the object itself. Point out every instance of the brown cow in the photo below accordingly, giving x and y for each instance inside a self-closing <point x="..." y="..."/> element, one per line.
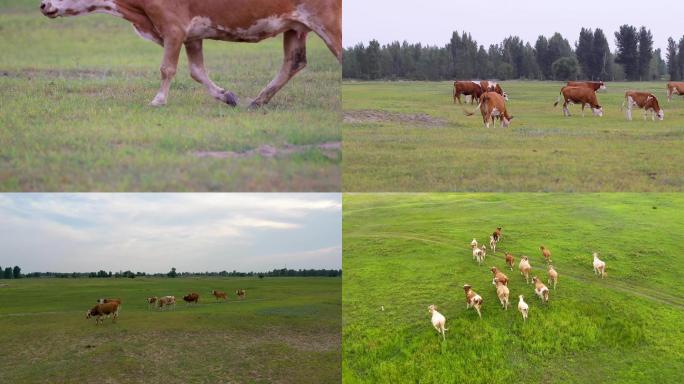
<point x="595" y="85"/>
<point x="579" y="95"/>
<point x="473" y="299"/>
<point x="240" y="293"/>
<point x="493" y="105"/>
<point x="104" y="309"/>
<point x="191" y="298"/>
<point x="491" y="86"/>
<point x="498" y="275"/>
<point x="219" y="295"/>
<point x="173" y="24"/>
<point x="674" y="88"/>
<point x="467" y="88"/>
<point x="644" y="100"/>
<point x="167" y="301"/>
<point x="497" y="234"/>
<point x="546" y="253"/>
<point x="510" y="260"/>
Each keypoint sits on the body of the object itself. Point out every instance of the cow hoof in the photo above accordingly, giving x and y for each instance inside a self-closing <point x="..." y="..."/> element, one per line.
<point x="157" y="103"/>
<point x="229" y="98"/>
<point x="255" y="105"/>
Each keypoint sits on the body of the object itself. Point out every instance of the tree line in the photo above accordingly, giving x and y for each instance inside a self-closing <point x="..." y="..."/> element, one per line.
<point x="550" y="58"/>
<point x="15" y="273"/>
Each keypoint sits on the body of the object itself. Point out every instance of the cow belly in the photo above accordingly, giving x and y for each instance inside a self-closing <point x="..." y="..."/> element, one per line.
<point x="202" y="27"/>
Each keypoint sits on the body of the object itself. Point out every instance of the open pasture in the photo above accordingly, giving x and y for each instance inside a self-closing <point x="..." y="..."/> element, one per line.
<point x="406" y="252"/>
<point x="410" y="137"/>
<point x="286" y="330"/>
<point x="74" y="112"/>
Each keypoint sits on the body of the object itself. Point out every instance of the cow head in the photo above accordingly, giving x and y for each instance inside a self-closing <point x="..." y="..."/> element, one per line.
<point x="56" y="8"/>
<point x="506" y="122"/>
<point x="598" y="111"/>
<point x="602" y="86"/>
<point x="505" y="96"/>
<point x="661" y="115"/>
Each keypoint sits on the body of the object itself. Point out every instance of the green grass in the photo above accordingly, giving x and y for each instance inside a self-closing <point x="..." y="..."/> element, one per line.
<point x="287" y="330"/>
<point x="542" y="151"/>
<point x="74" y="112"/>
<point x="405" y="252"/>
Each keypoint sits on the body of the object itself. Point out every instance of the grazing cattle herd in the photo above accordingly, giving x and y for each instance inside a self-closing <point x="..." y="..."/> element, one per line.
<point x="500" y="281"/>
<point x="108" y="307"/>
<point x="492" y="99"/>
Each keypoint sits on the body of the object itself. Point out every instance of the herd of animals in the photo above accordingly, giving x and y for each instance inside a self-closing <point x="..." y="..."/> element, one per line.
<point x="492" y="99"/>
<point x="107" y="307"/>
<point x="500" y="281"/>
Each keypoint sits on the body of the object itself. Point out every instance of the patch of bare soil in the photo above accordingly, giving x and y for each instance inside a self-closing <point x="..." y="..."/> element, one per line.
<point x="375" y="116"/>
<point x="329" y="149"/>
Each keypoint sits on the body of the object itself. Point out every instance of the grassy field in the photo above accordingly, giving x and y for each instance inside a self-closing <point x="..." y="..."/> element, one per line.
<point x="405" y="252"/>
<point x="74" y="113"/>
<point x="410" y="137"/>
<point x="287" y="330"/>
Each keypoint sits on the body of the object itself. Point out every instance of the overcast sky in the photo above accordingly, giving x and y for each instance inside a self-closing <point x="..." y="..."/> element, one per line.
<point x="154" y="232"/>
<point x="432" y="21"/>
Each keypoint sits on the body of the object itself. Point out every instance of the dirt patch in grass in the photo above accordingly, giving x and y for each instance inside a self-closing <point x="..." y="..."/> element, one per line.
<point x="375" y="116"/>
<point x="329" y="149"/>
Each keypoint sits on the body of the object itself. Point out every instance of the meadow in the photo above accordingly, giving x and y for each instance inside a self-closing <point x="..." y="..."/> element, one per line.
<point x="405" y="252"/>
<point x="286" y="330"/>
<point x="74" y="113"/>
<point x="410" y="137"/>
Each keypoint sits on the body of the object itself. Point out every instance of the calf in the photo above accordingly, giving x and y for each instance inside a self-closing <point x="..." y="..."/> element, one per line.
<point x="491" y="86"/>
<point x="579" y="95"/>
<point x="492" y="106"/>
<point x="593" y="85"/>
<point x="151" y="301"/>
<point x="510" y="260"/>
<point x="497" y="234"/>
<point x="103" y="309"/>
<point x="438" y="320"/>
<point x="219" y="295"/>
<point x="472" y="299"/>
<point x="546" y="253"/>
<point x="541" y="290"/>
<point x="599" y="266"/>
<point x="492" y="243"/>
<point x="166" y="301"/>
<point x="498" y="275"/>
<point x="525" y="268"/>
<point x="646" y="101"/>
<point x="467" y="88"/>
<point x="479" y="254"/>
<point x="178" y="23"/>
<point x="523" y="307"/>
<point x="241" y="293"/>
<point x="191" y="298"/>
<point x="502" y="293"/>
<point x="674" y="88"/>
<point x="553" y="276"/>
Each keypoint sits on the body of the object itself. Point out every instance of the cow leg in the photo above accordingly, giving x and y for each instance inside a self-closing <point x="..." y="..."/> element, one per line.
<point x="583" y="105"/>
<point x="172" y="47"/>
<point x="458" y="96"/>
<point x="199" y="73"/>
<point x="294" y="45"/>
<point x="629" y="111"/>
<point x="566" y="111"/>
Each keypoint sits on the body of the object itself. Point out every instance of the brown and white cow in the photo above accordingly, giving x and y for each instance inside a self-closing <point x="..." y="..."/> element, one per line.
<point x="151" y="301"/>
<point x="219" y="295"/>
<point x="579" y="95"/>
<point x="674" y="88"/>
<point x="472" y="299"/>
<point x="167" y="301"/>
<point x="240" y="293"/>
<point x="467" y="88"/>
<point x="644" y="100"/>
<point x="492" y="86"/>
<point x="173" y="24"/>
<point x="595" y="85"/>
<point x="492" y="106"/>
<point x="104" y="309"/>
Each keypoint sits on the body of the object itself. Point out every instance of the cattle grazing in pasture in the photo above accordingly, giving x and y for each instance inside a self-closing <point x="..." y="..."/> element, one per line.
<point x="594" y="85"/>
<point x="674" y="88"/>
<point x="104" y="309"/>
<point x="166" y="301"/>
<point x="541" y="290"/>
<point x="502" y="293"/>
<point x="438" y="320"/>
<point x="492" y="86"/>
<point x="523" y="307"/>
<point x="546" y="253"/>
<point x="492" y="106"/>
<point x="467" y="88"/>
<point x="151" y="301"/>
<point x="479" y="254"/>
<point x="191" y="298"/>
<point x="473" y="300"/>
<point x="599" y="266"/>
<point x="173" y="24"/>
<point x="498" y="275"/>
<point x="110" y="300"/>
<point x="553" y="276"/>
<point x="525" y="268"/>
<point x="643" y="100"/>
<point x="240" y="293"/>
<point x="219" y="295"/>
<point x="497" y="234"/>
<point x="510" y="260"/>
<point x="579" y="95"/>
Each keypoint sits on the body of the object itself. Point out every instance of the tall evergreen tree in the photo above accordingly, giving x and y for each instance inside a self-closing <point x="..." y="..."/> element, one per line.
<point x="601" y="57"/>
<point x="8" y="273"/>
<point x="672" y="60"/>
<point x="16" y="272"/>
<point x="585" y="53"/>
<point x="645" y="52"/>
<point x="541" y="48"/>
<point x="627" y="41"/>
<point x="373" y="68"/>
<point x="680" y="58"/>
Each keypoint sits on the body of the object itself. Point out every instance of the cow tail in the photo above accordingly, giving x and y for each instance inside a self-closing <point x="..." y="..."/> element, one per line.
<point x="557" y="100"/>
<point x="473" y="112"/>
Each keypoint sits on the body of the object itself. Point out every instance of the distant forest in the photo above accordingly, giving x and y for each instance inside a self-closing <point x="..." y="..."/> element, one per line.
<point x="15" y="273"/>
<point x="552" y="58"/>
